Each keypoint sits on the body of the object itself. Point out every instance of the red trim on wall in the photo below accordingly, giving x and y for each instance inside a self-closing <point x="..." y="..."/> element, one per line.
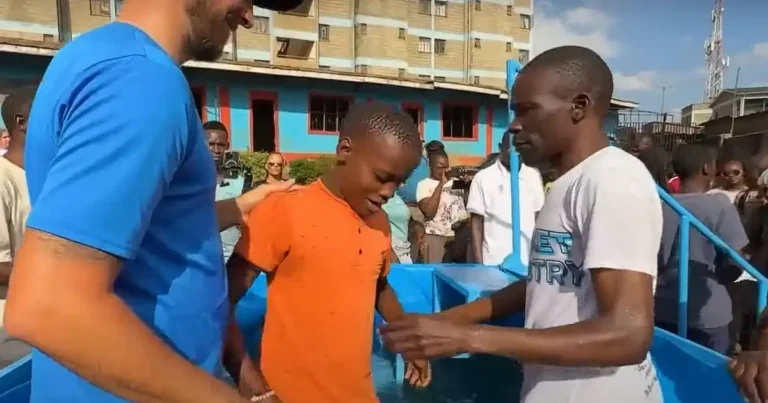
<point x="225" y="114"/>
<point x="474" y="121"/>
<point x="265" y="96"/>
<point x="203" y="101"/>
<point x="456" y="159"/>
<point x="310" y="95"/>
<point x="488" y="130"/>
<point x="420" y="107"/>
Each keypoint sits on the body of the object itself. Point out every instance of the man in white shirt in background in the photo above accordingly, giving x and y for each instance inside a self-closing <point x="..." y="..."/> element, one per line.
<point x="14" y="205"/>
<point x="490" y="208"/>
<point x="5" y="141"/>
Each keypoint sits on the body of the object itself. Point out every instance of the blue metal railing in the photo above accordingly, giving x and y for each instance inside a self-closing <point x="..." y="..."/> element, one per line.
<point x="688" y="220"/>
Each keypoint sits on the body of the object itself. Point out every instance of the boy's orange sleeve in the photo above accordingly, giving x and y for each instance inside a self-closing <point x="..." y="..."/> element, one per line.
<point x="266" y="235"/>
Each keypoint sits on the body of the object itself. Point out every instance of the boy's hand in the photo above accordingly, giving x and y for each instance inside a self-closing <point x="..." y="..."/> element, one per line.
<point x="418" y="373"/>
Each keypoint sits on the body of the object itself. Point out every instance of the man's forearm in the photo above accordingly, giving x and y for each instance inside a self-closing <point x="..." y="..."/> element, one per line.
<point x="229" y="213"/>
<point x="593" y="343"/>
<point x="102" y="340"/>
<point x="507" y="301"/>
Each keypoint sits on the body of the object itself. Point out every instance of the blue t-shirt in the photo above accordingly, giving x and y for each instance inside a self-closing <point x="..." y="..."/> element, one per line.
<point x="407" y="192"/>
<point x="116" y="159"/>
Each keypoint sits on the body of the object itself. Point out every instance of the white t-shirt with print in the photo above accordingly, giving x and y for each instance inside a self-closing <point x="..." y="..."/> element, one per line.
<point x="490" y="197"/>
<point x="450" y="210"/>
<point x="603" y="213"/>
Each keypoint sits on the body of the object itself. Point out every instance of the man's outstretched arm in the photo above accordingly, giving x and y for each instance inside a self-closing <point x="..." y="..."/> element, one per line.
<point x="620" y="335"/>
<point x="62" y="302"/>
<point x="231" y="212"/>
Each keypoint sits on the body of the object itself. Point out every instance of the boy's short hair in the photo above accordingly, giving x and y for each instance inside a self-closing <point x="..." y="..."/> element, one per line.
<point x="437" y="154"/>
<point x="376" y="118"/>
<point x="690" y="159"/>
<point x="215" y="125"/>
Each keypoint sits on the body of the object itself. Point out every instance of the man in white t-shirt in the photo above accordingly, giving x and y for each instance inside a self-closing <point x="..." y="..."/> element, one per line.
<point x="589" y="297"/>
<point x="14" y="206"/>
<point x="490" y="207"/>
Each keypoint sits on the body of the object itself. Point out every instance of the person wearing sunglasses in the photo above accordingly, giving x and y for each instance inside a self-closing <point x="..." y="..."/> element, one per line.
<point x="274" y="166"/>
<point x="734" y="180"/>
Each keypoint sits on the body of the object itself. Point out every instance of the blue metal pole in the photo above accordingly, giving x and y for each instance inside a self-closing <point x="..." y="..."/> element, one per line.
<point x="682" y="272"/>
<point x="513" y="68"/>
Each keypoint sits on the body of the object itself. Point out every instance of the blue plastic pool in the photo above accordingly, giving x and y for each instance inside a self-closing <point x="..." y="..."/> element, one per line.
<point x="687" y="372"/>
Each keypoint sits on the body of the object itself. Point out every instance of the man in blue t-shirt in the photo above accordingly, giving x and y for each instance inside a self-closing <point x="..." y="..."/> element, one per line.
<point x="119" y="282"/>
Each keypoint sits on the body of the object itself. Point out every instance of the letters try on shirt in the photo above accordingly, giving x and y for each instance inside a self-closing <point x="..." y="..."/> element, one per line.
<point x="583" y="226"/>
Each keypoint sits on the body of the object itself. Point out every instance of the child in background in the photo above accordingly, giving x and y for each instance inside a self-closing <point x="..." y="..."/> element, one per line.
<point x="417" y="235"/>
<point x="709" y="303"/>
<point x="326" y="252"/>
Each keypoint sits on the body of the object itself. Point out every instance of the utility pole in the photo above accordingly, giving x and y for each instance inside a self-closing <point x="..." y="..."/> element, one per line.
<point x="663" y="93"/>
<point x="735" y="109"/>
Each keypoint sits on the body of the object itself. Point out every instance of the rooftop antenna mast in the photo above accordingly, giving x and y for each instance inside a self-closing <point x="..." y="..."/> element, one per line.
<point x="717" y="62"/>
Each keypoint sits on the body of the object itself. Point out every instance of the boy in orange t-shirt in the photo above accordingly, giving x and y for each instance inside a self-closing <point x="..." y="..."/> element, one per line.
<point x="325" y="250"/>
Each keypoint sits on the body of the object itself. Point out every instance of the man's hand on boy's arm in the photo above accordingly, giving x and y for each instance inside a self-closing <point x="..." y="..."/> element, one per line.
<point x="417" y="372"/>
<point x="619" y="335"/>
<point x="234" y="211"/>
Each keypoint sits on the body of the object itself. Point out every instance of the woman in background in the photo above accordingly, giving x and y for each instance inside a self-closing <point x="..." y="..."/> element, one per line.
<point x="274" y="167"/>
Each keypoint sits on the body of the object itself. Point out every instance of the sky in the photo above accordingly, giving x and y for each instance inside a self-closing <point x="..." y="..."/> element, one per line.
<point x="655" y="44"/>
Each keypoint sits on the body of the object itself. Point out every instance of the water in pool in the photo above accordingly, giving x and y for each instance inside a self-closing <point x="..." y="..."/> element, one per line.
<point x="478" y="379"/>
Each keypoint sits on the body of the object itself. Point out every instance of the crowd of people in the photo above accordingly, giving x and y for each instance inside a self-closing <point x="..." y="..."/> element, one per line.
<point x="127" y="244"/>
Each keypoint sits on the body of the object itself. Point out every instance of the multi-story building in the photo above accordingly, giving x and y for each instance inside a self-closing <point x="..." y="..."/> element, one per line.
<point x="461" y="41"/>
<point x="286" y="84"/>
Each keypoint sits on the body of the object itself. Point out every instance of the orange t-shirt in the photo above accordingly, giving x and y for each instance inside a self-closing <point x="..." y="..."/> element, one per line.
<point x="322" y="262"/>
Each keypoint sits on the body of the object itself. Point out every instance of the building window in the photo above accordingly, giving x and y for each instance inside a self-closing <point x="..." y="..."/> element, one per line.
<point x="401" y="73"/>
<point x="362" y="29"/>
<point x="426" y="76"/>
<point x="478" y="45"/>
<point x="324" y="67"/>
<point x="522" y="56"/>
<point x="478" y="5"/>
<point x="425" y="45"/>
<point x="509" y="46"/>
<point x="439" y="79"/>
<point x="525" y="21"/>
<point x="326" y="113"/>
<point x="509" y="10"/>
<point x="459" y="122"/>
<point x="260" y="25"/>
<point x="441" y="8"/>
<point x="401" y="33"/>
<point x="295" y="48"/>
<point x="362" y="68"/>
<point x="476" y="80"/>
<point x="416" y="112"/>
<point x="440" y="46"/>
<point x="324" y="32"/>
<point x="101" y="7"/>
